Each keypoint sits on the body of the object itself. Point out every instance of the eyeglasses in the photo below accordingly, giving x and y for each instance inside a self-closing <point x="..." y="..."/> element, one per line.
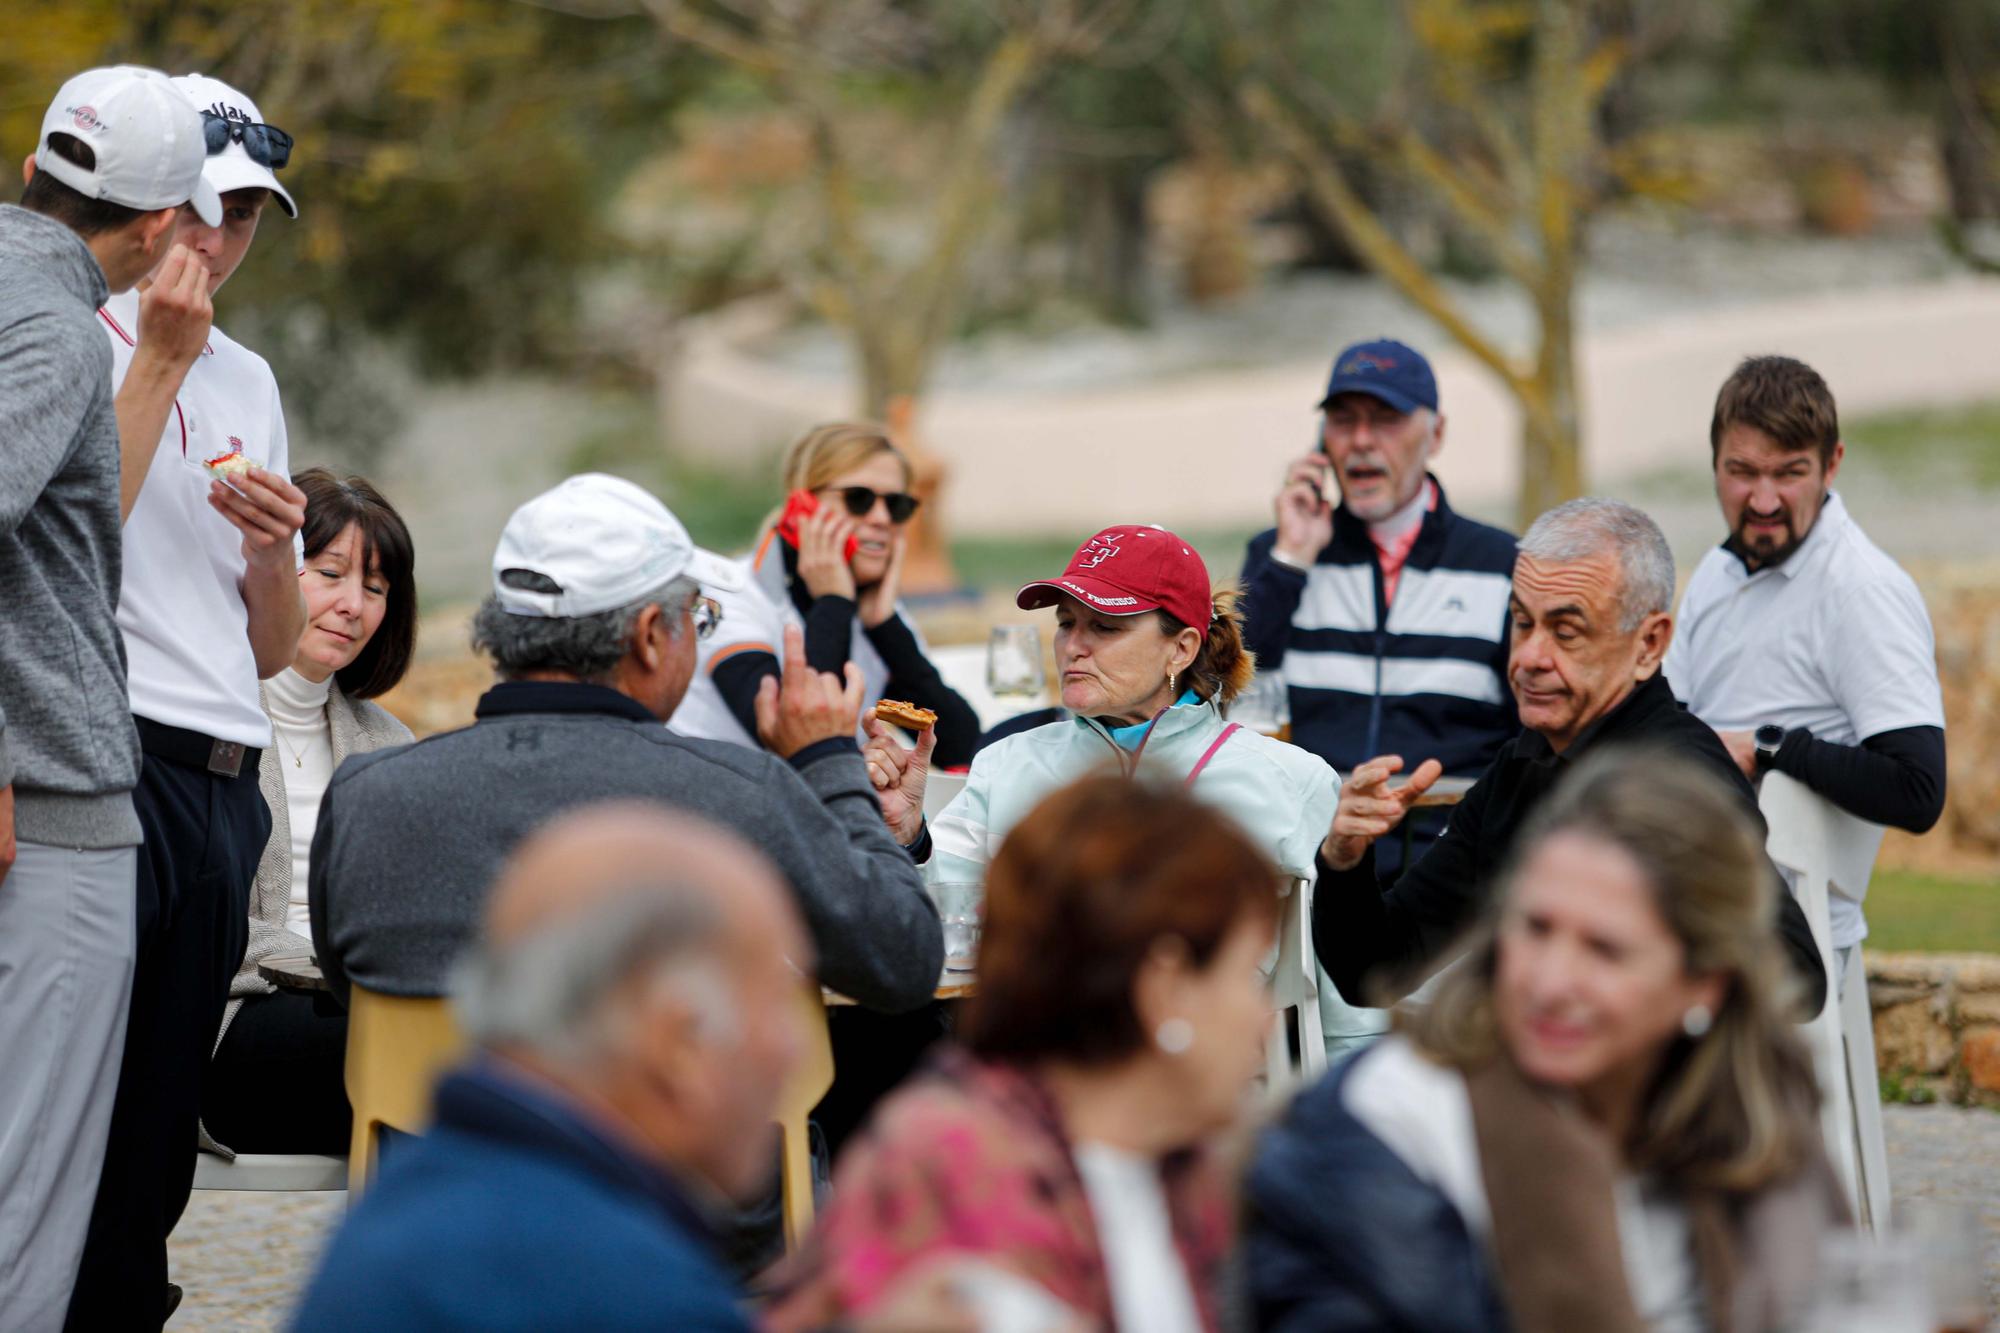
<point x="860" y="502"/>
<point x="707" y="613"/>
<point x="267" y="145"/>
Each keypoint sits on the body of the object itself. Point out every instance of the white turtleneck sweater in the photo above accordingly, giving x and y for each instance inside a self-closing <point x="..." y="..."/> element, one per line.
<point x="304" y="744"/>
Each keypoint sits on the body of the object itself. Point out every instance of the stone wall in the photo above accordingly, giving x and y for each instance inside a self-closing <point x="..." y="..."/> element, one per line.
<point x="1937" y="1022"/>
<point x="1964" y="603"/>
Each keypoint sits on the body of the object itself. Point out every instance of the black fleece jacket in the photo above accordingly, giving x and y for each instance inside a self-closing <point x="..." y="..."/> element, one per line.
<point x="1368" y="937"/>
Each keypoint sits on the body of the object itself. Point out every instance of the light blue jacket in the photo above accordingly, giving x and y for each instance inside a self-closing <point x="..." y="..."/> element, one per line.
<point x="1281" y="795"/>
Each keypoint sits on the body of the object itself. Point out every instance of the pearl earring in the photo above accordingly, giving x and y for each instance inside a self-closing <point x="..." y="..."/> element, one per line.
<point x="1174" y="1036"/>
<point x="1697" y="1021"/>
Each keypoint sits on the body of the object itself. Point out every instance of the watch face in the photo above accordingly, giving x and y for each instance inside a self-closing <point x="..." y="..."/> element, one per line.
<point x="1770" y="736"/>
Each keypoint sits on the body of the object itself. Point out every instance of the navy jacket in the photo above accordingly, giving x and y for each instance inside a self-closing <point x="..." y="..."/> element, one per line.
<point x="1340" y="1236"/>
<point x="515" y="1213"/>
<point x="1426" y="677"/>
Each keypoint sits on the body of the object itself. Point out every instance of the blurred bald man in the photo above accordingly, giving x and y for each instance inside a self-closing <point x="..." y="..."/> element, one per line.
<point x="633" y="999"/>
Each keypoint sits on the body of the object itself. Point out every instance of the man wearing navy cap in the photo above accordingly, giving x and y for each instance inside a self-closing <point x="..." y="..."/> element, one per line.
<point x="1385" y="610"/>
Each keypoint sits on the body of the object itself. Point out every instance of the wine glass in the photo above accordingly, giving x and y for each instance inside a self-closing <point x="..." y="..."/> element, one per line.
<point x="1265" y="707"/>
<point x="1014" y="661"/>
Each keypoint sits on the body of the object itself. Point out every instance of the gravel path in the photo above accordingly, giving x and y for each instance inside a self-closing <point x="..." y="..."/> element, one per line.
<point x="243" y="1257"/>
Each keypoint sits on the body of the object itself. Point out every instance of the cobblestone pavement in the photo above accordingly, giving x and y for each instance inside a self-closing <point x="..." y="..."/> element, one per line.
<point x="243" y="1257"/>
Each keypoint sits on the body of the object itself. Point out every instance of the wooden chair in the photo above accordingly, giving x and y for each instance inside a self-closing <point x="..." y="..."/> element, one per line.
<point x="808" y="1083"/>
<point x="1294" y="989"/>
<point x="396" y="1048"/>
<point x="1817" y="846"/>
<point x="270" y="1172"/>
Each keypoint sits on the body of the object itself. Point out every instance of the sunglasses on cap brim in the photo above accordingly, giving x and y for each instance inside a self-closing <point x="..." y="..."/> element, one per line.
<point x="860" y="502"/>
<point x="267" y="145"/>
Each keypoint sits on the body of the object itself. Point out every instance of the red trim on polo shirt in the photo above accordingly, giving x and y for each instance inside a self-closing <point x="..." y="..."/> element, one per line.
<point x="207" y="348"/>
<point x="1392" y="556"/>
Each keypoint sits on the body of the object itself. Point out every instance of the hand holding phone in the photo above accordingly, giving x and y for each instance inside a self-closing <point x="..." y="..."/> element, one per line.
<point x="800" y="505"/>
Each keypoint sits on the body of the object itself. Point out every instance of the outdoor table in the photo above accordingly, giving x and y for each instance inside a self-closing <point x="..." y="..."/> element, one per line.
<point x="294" y="972"/>
<point x="951" y="986"/>
<point x="1443" y="792"/>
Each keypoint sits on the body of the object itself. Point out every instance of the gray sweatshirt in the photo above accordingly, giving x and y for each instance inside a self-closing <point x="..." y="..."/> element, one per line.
<point x="410" y="838"/>
<point x="67" y="743"/>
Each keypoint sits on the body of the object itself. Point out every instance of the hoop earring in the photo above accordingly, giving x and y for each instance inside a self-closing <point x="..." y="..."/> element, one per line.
<point x="1174" y="1036"/>
<point x="1697" y="1021"/>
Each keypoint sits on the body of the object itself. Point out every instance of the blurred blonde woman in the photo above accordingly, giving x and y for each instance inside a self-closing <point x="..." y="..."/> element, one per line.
<point x="830" y="560"/>
<point x="1604" y="1120"/>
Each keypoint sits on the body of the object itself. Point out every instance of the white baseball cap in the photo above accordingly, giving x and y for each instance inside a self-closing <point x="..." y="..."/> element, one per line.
<point x="145" y="135"/>
<point x="233" y="168"/>
<point x="604" y="543"/>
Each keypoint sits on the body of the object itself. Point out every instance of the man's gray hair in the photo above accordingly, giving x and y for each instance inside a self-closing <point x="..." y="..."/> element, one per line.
<point x="549" y="991"/>
<point x="587" y="647"/>
<point x="1583" y="528"/>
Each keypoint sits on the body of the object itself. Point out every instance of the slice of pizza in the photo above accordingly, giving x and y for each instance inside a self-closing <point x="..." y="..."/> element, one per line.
<point x="905" y="715"/>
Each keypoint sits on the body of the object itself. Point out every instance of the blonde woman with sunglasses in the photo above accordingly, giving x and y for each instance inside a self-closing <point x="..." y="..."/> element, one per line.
<point x="829" y="560"/>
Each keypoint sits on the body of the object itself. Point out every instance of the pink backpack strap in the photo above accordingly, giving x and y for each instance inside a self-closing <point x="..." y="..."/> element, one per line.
<point x="1209" y="753"/>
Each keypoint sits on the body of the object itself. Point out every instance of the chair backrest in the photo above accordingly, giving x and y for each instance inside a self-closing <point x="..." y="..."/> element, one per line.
<point x="808" y="1083"/>
<point x="396" y="1048"/>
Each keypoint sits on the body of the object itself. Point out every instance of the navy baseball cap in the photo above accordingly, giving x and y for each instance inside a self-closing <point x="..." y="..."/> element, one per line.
<point x="1386" y="369"/>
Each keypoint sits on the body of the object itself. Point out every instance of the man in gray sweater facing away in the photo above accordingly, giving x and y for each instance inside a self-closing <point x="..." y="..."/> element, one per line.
<point x="596" y="606"/>
<point x="121" y="152"/>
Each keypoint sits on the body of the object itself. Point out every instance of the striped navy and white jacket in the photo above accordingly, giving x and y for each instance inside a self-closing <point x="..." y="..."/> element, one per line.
<point x="1429" y="680"/>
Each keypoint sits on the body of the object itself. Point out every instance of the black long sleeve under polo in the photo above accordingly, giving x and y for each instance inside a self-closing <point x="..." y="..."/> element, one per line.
<point x="1374" y="942"/>
<point x="1895" y="777"/>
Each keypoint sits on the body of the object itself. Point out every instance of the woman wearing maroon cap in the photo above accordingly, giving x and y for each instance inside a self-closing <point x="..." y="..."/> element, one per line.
<point x="1147" y="656"/>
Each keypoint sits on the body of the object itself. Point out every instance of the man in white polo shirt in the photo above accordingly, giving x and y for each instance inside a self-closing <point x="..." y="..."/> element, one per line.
<point x="1799" y="641"/>
<point x="209" y="605"/>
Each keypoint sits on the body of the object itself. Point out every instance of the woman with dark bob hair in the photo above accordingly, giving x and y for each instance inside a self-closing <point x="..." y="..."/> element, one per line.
<point x="1119" y="1024"/>
<point x="359" y="582"/>
<point x="1603" y="1120"/>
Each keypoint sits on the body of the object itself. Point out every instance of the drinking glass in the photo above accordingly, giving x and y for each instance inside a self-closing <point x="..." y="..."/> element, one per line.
<point x="958" y="909"/>
<point x="1950" y="1239"/>
<point x="1014" y="661"/>
<point x="1869" y="1285"/>
<point x="1265" y="707"/>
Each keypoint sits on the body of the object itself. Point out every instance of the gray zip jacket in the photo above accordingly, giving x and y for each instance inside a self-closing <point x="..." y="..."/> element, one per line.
<point x="67" y="743"/>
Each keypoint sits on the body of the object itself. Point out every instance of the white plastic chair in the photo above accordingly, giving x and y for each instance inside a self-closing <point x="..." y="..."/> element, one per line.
<point x="1294" y="987"/>
<point x="270" y="1172"/>
<point x="1819" y="846"/>
<point x="939" y="789"/>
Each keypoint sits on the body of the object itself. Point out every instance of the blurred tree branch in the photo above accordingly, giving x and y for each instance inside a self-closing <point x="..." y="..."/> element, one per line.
<point x="1497" y="122"/>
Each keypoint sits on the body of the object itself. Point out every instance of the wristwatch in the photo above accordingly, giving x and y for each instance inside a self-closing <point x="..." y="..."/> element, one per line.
<point x="1767" y="739"/>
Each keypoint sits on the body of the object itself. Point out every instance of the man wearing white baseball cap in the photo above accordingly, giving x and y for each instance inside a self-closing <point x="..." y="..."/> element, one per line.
<point x="596" y="606"/>
<point x="120" y="153"/>
<point x="209" y="605"/>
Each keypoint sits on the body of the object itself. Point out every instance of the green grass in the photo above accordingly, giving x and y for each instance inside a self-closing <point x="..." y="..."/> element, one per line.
<point x="1932" y="914"/>
<point x="1960" y="444"/>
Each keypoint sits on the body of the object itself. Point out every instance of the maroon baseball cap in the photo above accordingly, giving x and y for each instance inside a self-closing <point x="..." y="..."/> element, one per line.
<point x="1127" y="571"/>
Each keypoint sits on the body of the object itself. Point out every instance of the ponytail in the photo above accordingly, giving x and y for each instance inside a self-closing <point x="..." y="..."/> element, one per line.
<point x="1223" y="667"/>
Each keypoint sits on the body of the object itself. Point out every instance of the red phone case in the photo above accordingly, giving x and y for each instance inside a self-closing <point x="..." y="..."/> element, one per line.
<point x="799" y="504"/>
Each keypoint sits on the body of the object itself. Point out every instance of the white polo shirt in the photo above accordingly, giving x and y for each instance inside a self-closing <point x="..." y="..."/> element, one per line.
<point x="180" y="605"/>
<point x="1836" y="640"/>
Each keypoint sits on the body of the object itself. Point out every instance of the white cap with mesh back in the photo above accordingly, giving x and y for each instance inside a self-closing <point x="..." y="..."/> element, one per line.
<point x="603" y="543"/>
<point x="143" y="132"/>
<point x="233" y="168"/>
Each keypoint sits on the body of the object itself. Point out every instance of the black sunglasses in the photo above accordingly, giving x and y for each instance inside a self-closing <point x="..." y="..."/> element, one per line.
<point x="267" y="145"/>
<point x="860" y="502"/>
